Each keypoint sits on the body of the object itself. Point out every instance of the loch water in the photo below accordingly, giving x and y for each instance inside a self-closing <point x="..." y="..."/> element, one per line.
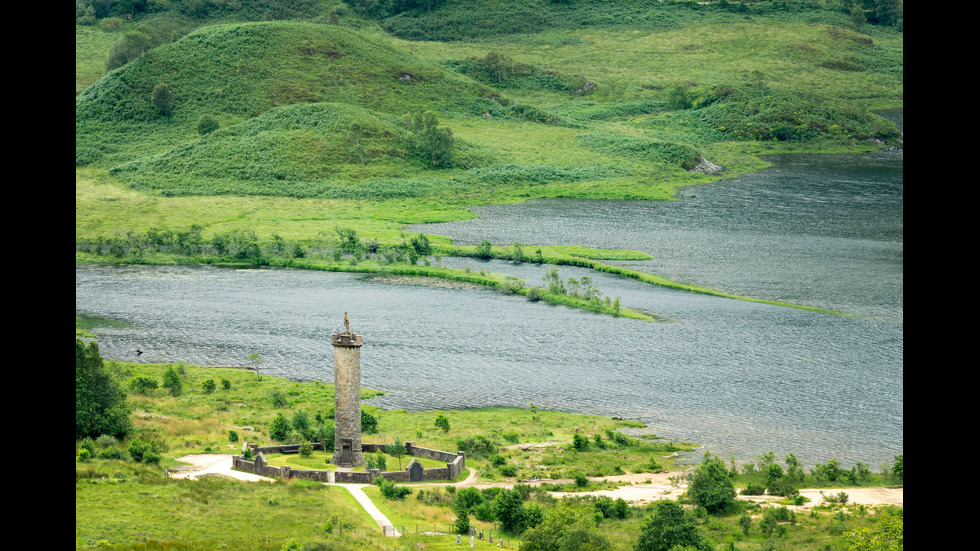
<point x="740" y="378"/>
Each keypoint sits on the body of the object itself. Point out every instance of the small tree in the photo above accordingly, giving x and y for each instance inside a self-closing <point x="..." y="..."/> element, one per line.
<point x="209" y="386"/>
<point x="745" y="521"/>
<point x="670" y="526"/>
<point x="100" y="402"/>
<point x="397" y="450"/>
<point x="256" y="359"/>
<point x="711" y="486"/>
<point x="301" y="424"/>
<point x="432" y="142"/>
<point x="555" y="284"/>
<point x="794" y="469"/>
<point x="172" y="381"/>
<point x="279" y="428"/>
<point x="442" y="422"/>
<point x="325" y="436"/>
<point x="162" y="99"/>
<point x="508" y="509"/>
<point x="484" y="250"/>
<point x="462" y="523"/>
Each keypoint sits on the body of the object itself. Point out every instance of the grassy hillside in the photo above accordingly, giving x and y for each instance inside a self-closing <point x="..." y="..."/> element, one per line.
<point x="295" y="128"/>
<point x="236" y="72"/>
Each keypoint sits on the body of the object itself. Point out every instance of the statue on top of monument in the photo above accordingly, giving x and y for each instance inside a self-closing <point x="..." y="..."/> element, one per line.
<point x="346" y="323"/>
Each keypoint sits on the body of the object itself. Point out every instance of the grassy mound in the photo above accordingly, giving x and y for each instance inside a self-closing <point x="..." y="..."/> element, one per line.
<point x="235" y="72"/>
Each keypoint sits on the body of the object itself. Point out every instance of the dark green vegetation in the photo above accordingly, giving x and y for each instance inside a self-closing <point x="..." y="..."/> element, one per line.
<point x="308" y="134"/>
<point x="291" y="121"/>
<point x="124" y="498"/>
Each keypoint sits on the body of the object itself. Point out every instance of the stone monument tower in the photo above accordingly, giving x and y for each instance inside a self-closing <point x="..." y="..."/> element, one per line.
<point x="347" y="398"/>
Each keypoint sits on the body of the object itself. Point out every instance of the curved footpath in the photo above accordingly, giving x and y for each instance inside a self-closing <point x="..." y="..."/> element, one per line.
<point x="637" y="488"/>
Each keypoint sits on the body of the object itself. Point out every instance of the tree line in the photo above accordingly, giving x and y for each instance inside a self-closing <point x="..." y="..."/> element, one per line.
<point x="245" y="245"/>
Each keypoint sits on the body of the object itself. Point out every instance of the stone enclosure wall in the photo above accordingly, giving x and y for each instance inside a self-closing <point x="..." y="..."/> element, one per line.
<point x="414" y="472"/>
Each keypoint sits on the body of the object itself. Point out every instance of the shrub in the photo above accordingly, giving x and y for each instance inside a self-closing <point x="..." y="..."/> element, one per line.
<point x="369" y="423"/>
<point x="580" y="442"/>
<point x="442" y="422"/>
<point x="225" y="384"/>
<point x="209" y="386"/>
<point x="279" y="428"/>
<point x="143" y="385"/>
<point x="533" y="294"/>
<point x="84" y="455"/>
<point x="278" y="398"/>
<point x="306" y="449"/>
<point x="377" y="461"/>
<point x="477" y="446"/>
<point x="782" y="487"/>
<point x="87" y="444"/>
<point x="484" y="250"/>
<point x="232" y="436"/>
<point x="830" y="471"/>
<point x="144" y="452"/>
<point x="621" y="509"/>
<point x="390" y="490"/>
<point x="112" y="452"/>
<point x="207" y="124"/>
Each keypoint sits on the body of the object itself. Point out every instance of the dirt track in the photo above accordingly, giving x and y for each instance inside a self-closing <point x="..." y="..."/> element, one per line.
<point x="636" y="488"/>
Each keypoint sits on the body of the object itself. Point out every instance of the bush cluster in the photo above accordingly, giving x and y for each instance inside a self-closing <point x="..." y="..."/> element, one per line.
<point x="390" y="490"/>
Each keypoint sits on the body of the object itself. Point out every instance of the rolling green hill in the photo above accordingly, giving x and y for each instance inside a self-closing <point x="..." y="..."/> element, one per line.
<point x="616" y="99"/>
<point x="235" y="72"/>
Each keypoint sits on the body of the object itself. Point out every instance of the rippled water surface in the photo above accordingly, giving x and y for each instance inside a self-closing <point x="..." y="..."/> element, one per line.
<point x="739" y="377"/>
